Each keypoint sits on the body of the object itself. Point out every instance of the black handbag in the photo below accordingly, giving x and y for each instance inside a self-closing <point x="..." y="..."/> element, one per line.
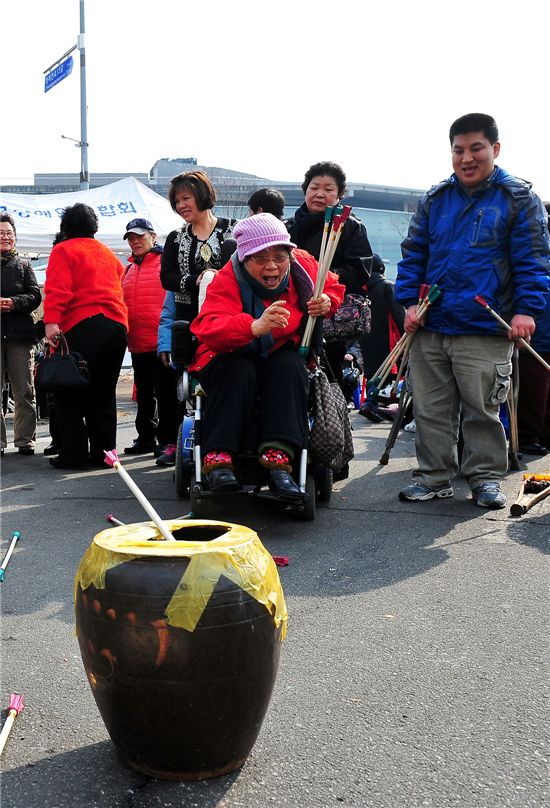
<point x="351" y="320"/>
<point x="60" y="370"/>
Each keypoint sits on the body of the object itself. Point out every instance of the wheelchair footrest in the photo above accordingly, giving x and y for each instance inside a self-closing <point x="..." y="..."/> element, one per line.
<point x="266" y="494"/>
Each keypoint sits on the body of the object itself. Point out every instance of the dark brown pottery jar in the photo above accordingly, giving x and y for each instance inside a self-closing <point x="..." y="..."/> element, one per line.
<point x="180" y="642"/>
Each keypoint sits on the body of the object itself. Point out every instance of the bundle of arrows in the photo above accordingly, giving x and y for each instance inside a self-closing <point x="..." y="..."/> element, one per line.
<point x="335" y="219"/>
<point x="426" y="297"/>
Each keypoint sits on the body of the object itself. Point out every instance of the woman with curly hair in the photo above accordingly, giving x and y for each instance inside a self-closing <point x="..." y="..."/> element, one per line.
<point x="324" y="186"/>
<point x="83" y="299"/>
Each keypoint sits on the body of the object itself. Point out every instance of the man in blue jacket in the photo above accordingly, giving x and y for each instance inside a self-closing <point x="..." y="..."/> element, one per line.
<point x="480" y="232"/>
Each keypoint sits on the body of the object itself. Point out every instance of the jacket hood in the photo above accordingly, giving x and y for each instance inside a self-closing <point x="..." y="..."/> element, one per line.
<point x="500" y="177"/>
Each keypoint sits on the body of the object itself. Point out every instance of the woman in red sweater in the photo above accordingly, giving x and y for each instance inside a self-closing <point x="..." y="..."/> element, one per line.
<point x="83" y="299"/>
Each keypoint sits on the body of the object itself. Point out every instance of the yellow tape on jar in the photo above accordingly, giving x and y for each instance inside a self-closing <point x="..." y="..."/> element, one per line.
<point x="238" y="554"/>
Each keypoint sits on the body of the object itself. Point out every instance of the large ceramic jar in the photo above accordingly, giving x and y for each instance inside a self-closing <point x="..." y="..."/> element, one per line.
<point x="180" y="642"/>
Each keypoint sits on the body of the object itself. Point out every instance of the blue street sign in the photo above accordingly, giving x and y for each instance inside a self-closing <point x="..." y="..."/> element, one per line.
<point x="59" y="73"/>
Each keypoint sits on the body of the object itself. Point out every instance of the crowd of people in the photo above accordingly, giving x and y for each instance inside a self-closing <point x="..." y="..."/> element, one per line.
<point x="247" y="288"/>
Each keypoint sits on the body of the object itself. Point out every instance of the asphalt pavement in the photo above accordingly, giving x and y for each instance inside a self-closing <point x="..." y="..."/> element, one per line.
<point x="415" y="671"/>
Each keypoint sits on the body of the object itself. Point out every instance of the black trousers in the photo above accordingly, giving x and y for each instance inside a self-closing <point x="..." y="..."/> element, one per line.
<point x="334" y="353"/>
<point x="157" y="415"/>
<point x="55" y="432"/>
<point x="87" y="420"/>
<point x="233" y="382"/>
<point x="533" y="400"/>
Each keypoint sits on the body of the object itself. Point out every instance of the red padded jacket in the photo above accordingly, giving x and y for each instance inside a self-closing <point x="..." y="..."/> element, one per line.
<point x="144" y="296"/>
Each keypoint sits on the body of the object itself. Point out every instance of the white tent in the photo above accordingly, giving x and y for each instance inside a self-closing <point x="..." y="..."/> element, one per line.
<point x="37" y="216"/>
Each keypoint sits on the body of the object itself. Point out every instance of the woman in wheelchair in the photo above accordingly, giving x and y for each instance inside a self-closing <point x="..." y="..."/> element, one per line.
<point x="249" y="330"/>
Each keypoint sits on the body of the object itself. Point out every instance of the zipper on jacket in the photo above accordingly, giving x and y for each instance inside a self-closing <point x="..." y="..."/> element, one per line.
<point x="477" y="226"/>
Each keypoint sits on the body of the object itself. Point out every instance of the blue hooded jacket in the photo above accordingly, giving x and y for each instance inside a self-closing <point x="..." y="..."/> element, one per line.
<point x="540" y="340"/>
<point x="493" y="242"/>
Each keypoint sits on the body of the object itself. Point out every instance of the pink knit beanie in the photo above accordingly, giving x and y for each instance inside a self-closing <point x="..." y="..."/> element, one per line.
<point x="259" y="232"/>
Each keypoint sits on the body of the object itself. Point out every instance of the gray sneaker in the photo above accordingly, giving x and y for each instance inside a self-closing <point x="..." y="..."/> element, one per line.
<point x="489" y="495"/>
<point x="418" y="492"/>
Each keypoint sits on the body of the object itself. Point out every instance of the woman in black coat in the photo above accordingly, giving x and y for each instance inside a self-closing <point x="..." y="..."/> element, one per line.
<point x="19" y="296"/>
<point x="324" y="186"/>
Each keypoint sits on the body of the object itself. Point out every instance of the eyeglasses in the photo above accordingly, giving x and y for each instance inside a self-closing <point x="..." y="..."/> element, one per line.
<point x="7" y="235"/>
<point x="262" y="260"/>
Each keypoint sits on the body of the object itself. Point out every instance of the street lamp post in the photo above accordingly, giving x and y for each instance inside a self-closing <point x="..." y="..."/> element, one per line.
<point x="59" y="70"/>
<point x="84" y="173"/>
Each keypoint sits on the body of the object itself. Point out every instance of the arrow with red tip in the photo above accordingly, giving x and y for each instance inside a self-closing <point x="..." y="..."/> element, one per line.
<point x="482" y="302"/>
<point x="112" y="459"/>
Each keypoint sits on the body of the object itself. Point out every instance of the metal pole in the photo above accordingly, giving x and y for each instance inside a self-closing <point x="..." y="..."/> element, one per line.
<point x="57" y="61"/>
<point x="84" y="174"/>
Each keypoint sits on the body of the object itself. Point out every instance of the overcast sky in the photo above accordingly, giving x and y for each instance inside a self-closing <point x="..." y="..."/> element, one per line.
<point x="270" y="88"/>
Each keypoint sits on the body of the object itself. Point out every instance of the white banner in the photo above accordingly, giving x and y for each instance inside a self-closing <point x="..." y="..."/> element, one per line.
<point x="37" y="216"/>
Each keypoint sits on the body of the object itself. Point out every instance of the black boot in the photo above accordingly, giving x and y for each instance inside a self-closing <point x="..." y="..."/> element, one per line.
<point x="282" y="485"/>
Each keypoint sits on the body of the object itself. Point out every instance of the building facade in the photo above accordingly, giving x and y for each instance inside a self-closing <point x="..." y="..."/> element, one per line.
<point x="385" y="210"/>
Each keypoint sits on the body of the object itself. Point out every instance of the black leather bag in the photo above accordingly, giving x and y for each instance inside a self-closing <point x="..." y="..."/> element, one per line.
<point x="60" y="370"/>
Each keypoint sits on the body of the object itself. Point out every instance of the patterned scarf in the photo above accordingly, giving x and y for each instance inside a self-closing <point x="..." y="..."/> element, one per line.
<point x="8" y="255"/>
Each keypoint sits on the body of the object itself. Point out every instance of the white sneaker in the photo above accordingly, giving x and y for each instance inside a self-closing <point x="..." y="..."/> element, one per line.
<point x="418" y="492"/>
<point x="411" y="426"/>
